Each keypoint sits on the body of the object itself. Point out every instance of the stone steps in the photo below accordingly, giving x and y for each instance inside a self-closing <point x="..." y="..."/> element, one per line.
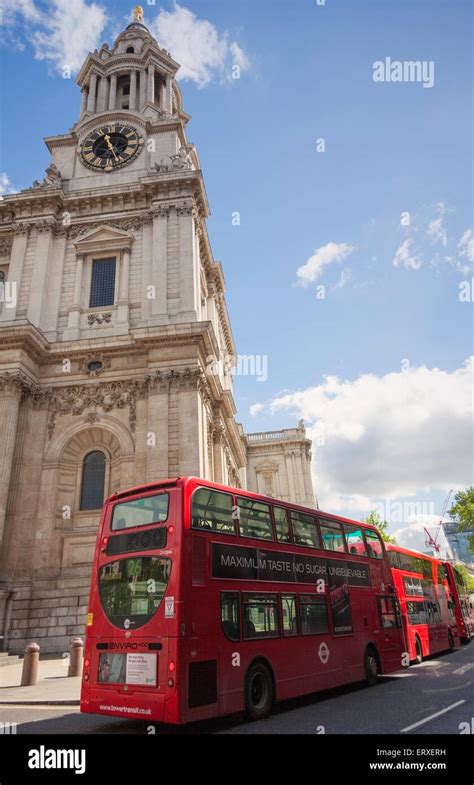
<point x="8" y="659"/>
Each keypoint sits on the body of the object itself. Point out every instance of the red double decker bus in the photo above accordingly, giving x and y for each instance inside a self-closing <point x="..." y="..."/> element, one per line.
<point x="207" y="600"/>
<point x="426" y="602"/>
<point x="462" y="603"/>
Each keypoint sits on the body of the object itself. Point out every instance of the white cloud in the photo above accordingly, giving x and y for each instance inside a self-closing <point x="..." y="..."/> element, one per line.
<point x="256" y="408"/>
<point x="466" y="246"/>
<point x="6" y="185"/>
<point x="413" y="535"/>
<point x="323" y="256"/>
<point x="9" y="9"/>
<point x="436" y="230"/>
<point x="387" y="437"/>
<point x="197" y="45"/>
<point x="73" y="30"/>
<point x="405" y="258"/>
<point x="63" y="34"/>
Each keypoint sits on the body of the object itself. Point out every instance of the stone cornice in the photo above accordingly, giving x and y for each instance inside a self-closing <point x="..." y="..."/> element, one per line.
<point x="93" y="398"/>
<point x="108" y="116"/>
<point x="22" y="335"/>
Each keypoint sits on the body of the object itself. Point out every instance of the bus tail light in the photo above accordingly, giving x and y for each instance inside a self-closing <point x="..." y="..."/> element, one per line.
<point x="171" y="529"/>
<point x="87" y="663"/>
<point x="170" y="683"/>
<point x="86" y="677"/>
<point x="171" y="667"/>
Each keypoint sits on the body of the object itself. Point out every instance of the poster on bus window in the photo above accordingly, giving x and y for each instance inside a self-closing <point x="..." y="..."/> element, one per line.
<point x="112" y="668"/>
<point x="339" y="599"/>
<point x="141" y="669"/>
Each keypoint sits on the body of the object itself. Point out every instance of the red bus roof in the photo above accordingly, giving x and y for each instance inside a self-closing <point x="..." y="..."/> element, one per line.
<point x="391" y="547"/>
<point x="198" y="481"/>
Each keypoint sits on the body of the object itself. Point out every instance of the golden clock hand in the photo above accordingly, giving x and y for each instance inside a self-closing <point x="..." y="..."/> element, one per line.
<point x="110" y="145"/>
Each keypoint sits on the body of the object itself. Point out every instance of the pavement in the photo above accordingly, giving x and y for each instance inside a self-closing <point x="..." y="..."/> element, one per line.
<point x="54" y="686"/>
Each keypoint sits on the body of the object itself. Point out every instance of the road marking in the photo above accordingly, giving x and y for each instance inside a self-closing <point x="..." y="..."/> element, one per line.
<point x="432" y="716"/>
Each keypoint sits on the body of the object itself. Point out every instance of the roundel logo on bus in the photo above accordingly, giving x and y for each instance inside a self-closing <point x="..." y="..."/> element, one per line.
<point x="323" y="652"/>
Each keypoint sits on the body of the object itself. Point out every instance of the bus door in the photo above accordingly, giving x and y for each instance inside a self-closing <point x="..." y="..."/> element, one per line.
<point x="391" y="639"/>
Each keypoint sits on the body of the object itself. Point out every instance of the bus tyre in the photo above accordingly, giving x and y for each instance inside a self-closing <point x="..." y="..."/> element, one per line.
<point x="371" y="666"/>
<point x="450" y="641"/>
<point x="418" y="651"/>
<point x="258" y="691"/>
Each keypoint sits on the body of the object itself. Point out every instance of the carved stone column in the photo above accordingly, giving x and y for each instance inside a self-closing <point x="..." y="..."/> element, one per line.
<point x="113" y="92"/>
<point x="159" y="305"/>
<point x="133" y="89"/>
<point x="92" y="93"/>
<point x="142" y="89"/>
<point x="290" y="480"/>
<point x="218" y="436"/>
<point x="11" y="388"/>
<point x="123" y="306"/>
<point x="151" y="83"/>
<point x="83" y="101"/>
<point x="72" y="330"/>
<point x="102" y="94"/>
<point x="15" y="270"/>
<point x="41" y="270"/>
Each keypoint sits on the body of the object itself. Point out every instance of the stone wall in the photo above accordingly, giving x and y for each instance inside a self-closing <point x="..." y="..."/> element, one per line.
<point x="50" y="613"/>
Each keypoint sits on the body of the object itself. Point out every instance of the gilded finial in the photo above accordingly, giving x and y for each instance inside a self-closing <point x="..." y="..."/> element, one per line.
<point x="138" y="15"/>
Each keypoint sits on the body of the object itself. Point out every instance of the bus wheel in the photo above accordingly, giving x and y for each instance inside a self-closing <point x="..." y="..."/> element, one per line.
<point x="418" y="651"/>
<point x="371" y="666"/>
<point x="258" y="691"/>
<point x="450" y="641"/>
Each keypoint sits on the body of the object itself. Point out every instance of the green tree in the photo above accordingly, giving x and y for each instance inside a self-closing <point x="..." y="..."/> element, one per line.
<point x="375" y="520"/>
<point x="468" y="580"/>
<point x="462" y="511"/>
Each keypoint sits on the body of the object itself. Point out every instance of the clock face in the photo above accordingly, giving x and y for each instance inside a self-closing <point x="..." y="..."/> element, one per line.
<point x="111" y="146"/>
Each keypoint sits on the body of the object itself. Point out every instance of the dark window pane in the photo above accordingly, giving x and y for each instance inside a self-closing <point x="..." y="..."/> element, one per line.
<point x="260" y="617"/>
<point x="331" y="533"/>
<point x="212" y="511"/>
<point x="131" y="590"/>
<point x="141" y="512"/>
<point x="313" y="614"/>
<point x="288" y="606"/>
<point x="282" y="525"/>
<point x="389" y="613"/>
<point x="230" y="618"/>
<point x="254" y="519"/>
<point x="355" y="540"/>
<point x="416" y="612"/>
<point x="102" y="283"/>
<point x="305" y="529"/>
<point x="93" y="478"/>
<point x="374" y="544"/>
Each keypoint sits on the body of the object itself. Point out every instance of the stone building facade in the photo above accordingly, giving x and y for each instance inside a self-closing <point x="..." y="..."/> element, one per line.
<point x="113" y="327"/>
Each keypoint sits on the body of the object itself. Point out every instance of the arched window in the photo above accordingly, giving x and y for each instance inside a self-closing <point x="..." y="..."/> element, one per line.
<point x="93" y="480"/>
<point x="130" y="50"/>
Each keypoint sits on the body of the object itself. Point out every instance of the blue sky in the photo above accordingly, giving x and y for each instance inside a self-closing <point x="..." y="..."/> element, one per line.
<point x="391" y="326"/>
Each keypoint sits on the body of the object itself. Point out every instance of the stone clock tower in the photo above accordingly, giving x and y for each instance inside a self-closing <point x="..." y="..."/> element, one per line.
<point x="113" y="313"/>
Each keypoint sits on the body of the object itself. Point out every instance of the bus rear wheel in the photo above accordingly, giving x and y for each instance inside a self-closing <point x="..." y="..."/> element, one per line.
<point x="418" y="651"/>
<point x="258" y="691"/>
<point x="371" y="666"/>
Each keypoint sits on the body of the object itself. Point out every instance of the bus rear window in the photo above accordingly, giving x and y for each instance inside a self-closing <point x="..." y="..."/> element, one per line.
<point x="131" y="590"/>
<point x="140" y="512"/>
